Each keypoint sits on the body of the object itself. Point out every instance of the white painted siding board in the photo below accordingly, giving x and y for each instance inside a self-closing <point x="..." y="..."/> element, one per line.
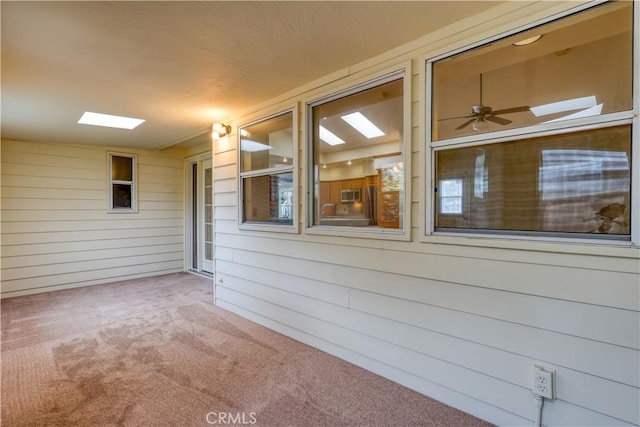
<point x="17" y="170"/>
<point x="62" y="226"/>
<point x="161" y="206"/>
<point x="226" y="226"/>
<point x="85" y="278"/>
<point x="52" y="182"/>
<point x="226" y="199"/>
<point x="225" y="172"/>
<point x="559" y="349"/>
<point x="52" y="193"/>
<point x="152" y="187"/>
<point x="91" y="163"/>
<point x="79" y="236"/>
<point x="298" y="285"/>
<point x="584" y="320"/>
<point x="575" y="387"/>
<point x="513" y="398"/>
<point x="225" y="212"/>
<point x="223" y="254"/>
<point x="154" y="196"/>
<point x="444" y="394"/>
<point x="622" y="289"/>
<point x="83" y="246"/>
<point x="73" y="215"/>
<point x="56" y="150"/>
<point x="225" y="186"/>
<point x="32" y="261"/>
<point x="226" y="158"/>
<point x="34" y="271"/>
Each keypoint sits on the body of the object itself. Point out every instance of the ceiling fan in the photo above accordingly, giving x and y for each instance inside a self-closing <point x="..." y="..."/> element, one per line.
<point x="480" y="114"/>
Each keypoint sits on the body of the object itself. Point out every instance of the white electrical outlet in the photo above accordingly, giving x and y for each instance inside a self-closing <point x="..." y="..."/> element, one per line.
<point x="544" y="382"/>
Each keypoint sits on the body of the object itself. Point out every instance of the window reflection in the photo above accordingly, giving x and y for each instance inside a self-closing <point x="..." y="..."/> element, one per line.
<point x="357" y="150"/>
<point x="574" y="183"/>
<point x="581" y="67"/>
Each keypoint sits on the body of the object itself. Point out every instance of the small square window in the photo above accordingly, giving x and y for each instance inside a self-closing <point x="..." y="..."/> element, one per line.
<point x="450" y="194"/>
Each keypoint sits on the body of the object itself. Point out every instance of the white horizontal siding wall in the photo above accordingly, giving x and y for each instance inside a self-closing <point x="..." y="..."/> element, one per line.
<point x="56" y="232"/>
<point x="461" y="323"/>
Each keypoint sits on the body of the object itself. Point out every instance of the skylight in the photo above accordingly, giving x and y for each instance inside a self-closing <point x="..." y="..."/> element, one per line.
<point x="362" y="125"/>
<point x="566" y="105"/>
<point x="107" y="120"/>
<point x="329" y="137"/>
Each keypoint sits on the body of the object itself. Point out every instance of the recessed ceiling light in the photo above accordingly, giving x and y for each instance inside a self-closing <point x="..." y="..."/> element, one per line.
<point x="528" y="41"/>
<point x="107" y="120"/>
<point x="329" y="137"/>
<point x="362" y="125"/>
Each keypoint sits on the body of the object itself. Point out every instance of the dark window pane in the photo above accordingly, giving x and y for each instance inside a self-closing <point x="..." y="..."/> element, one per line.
<point x="121" y="196"/>
<point x="572" y="183"/>
<point x="269" y="199"/>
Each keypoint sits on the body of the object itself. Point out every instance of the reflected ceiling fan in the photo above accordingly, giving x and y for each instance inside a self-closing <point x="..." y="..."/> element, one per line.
<point x="481" y="114"/>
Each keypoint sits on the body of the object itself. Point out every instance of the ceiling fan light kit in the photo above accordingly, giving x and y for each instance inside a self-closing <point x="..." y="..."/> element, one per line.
<point x="480" y="114"/>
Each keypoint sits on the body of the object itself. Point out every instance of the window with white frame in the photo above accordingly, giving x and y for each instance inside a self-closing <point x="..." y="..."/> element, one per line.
<point x="267" y="171"/>
<point x="357" y="146"/>
<point x="540" y="123"/>
<point x="122" y="183"/>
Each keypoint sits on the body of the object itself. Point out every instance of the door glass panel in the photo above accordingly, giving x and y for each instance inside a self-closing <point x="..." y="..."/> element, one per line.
<point x="208" y="215"/>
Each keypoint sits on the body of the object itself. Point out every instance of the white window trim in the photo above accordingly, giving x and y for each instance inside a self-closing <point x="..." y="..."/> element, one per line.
<point x="494" y="239"/>
<point x="133" y="183"/>
<point x="346" y="89"/>
<point x="280" y="228"/>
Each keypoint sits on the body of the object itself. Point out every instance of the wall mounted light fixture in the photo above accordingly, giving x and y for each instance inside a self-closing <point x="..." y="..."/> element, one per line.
<point x="528" y="41"/>
<point x="219" y="130"/>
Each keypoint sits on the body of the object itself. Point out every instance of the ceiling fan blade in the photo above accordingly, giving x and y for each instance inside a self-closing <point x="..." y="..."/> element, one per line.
<point x="453" y="118"/>
<point x="465" y="124"/>
<point x="498" y="120"/>
<point x="511" y="110"/>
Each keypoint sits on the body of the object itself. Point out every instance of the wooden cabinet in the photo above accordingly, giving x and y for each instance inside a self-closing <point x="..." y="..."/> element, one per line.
<point x="371" y="180"/>
<point x="352" y="183"/>
<point x="325" y="192"/>
<point x="331" y="191"/>
<point x="335" y="192"/>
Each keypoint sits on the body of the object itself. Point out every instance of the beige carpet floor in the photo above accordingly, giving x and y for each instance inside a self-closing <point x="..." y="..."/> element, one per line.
<point x="157" y="352"/>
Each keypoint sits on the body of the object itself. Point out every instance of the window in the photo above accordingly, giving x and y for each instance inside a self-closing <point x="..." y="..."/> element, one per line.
<point x="450" y="196"/>
<point x="122" y="183"/>
<point x="536" y="139"/>
<point x="358" y="164"/>
<point x="267" y="171"/>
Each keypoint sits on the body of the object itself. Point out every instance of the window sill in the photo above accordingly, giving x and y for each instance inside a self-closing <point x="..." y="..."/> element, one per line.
<point x="376" y="233"/>
<point x="581" y="246"/>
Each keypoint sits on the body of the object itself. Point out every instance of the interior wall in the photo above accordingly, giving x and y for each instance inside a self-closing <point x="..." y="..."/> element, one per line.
<point x="56" y="232"/>
<point x="461" y="322"/>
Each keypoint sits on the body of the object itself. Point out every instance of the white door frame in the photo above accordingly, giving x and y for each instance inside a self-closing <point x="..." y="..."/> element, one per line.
<point x="194" y="248"/>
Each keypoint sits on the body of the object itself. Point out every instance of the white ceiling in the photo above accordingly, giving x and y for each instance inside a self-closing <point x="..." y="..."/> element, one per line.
<point x="183" y="65"/>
